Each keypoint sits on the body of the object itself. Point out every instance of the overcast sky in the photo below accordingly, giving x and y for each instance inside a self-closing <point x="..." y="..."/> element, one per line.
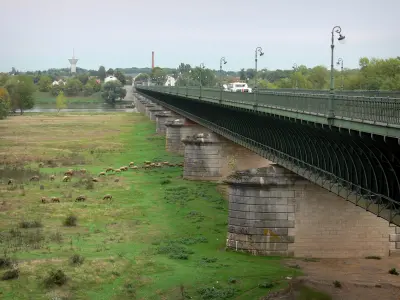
<point x="40" y="34"/>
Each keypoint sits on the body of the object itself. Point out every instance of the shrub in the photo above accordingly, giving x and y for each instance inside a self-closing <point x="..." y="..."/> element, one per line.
<point x="10" y="274"/>
<point x="77" y="259"/>
<point x="55" y="278"/>
<point x="5" y="262"/>
<point x="71" y="220"/>
<point x="30" y="224"/>
<point x="393" y="271"/>
<point x="165" y="181"/>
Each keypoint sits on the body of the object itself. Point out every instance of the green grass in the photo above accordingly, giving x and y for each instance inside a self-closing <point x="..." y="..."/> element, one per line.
<point x="160" y="235"/>
<point x="47" y="98"/>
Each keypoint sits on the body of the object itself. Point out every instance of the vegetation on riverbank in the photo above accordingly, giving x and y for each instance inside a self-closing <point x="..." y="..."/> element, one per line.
<point x="47" y="98"/>
<point x="160" y="237"/>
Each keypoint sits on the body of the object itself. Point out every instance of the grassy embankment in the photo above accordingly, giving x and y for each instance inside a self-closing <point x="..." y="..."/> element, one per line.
<point x="160" y="236"/>
<point x="47" y="98"/>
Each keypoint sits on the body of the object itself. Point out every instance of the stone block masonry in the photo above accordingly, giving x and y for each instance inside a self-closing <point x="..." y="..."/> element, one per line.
<point x="162" y="118"/>
<point x="153" y="111"/>
<point x="177" y="130"/>
<point x="272" y="211"/>
<point x="394" y="239"/>
<point x="209" y="156"/>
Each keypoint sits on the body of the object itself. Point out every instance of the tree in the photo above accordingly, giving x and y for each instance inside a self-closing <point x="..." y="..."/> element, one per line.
<point x="142" y="77"/>
<point x="83" y="78"/>
<point x="120" y="77"/>
<point x="56" y="89"/>
<point x="21" y="89"/>
<point x="4" y="103"/>
<point x="242" y="74"/>
<point x="110" y="72"/>
<point x="45" y="83"/>
<point x="102" y="73"/>
<point x="60" y="102"/>
<point x="158" y="76"/>
<point x="73" y="87"/>
<point x="113" y="90"/>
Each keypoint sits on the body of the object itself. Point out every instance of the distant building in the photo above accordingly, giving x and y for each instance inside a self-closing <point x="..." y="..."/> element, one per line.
<point x="110" y="78"/>
<point x="55" y="82"/>
<point x="170" y="81"/>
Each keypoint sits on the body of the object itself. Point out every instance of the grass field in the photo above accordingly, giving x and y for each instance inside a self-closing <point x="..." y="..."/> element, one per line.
<point x="47" y="98"/>
<point x="161" y="237"/>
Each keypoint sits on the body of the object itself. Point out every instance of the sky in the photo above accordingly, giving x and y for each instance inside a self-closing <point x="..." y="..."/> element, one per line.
<point x="41" y="34"/>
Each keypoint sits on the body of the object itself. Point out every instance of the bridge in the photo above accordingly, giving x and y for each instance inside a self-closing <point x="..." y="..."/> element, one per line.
<point x="349" y="145"/>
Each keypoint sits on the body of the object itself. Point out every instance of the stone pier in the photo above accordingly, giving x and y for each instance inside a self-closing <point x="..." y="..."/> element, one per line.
<point x="273" y="211"/>
<point x="153" y="111"/>
<point x="140" y="104"/>
<point x="177" y="130"/>
<point x="148" y="106"/>
<point x="162" y="118"/>
<point x="209" y="156"/>
<point x="394" y="238"/>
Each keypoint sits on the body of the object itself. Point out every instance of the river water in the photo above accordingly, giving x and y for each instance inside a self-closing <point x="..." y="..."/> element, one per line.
<point x="85" y="107"/>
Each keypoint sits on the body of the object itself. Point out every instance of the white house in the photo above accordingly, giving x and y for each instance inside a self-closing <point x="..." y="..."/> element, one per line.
<point x="110" y="78"/>
<point x="55" y="82"/>
<point x="170" y="81"/>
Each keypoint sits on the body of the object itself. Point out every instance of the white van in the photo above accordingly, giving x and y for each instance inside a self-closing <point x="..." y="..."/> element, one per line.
<point x="239" y="87"/>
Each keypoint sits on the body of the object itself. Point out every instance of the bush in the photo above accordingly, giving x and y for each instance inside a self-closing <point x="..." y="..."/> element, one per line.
<point x="5" y="262"/>
<point x="30" y="224"/>
<point x="10" y="274"/>
<point x="71" y="220"/>
<point x="55" y="278"/>
<point x="76" y="259"/>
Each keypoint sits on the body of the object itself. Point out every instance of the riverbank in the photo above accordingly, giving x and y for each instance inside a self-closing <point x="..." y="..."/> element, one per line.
<point x="47" y="98"/>
<point x="160" y="237"/>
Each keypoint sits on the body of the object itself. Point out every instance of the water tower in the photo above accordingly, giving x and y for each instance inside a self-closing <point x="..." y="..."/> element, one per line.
<point x="73" y="62"/>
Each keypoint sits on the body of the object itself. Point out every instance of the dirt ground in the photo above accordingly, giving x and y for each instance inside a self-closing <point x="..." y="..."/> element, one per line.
<point x="360" y="279"/>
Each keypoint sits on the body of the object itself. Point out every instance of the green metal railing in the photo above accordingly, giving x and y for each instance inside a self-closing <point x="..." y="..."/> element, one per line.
<point x="382" y="110"/>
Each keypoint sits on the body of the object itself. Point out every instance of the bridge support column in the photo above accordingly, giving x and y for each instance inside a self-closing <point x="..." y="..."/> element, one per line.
<point x="153" y="111"/>
<point x="149" y="106"/>
<point x="141" y="105"/>
<point x="162" y="118"/>
<point x="209" y="156"/>
<point x="178" y="129"/>
<point x="394" y="238"/>
<point x="273" y="211"/>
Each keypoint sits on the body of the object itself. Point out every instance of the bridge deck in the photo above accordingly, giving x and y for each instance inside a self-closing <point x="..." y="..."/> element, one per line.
<point x="374" y="115"/>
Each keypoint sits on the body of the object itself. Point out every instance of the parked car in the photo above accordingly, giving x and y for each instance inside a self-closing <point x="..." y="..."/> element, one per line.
<point x="239" y="87"/>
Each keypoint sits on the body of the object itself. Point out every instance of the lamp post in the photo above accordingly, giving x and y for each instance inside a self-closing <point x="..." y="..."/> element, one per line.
<point x="338" y="30"/>
<point x="257" y="51"/>
<point x="221" y="61"/>
<point x="201" y="77"/>
<point x="340" y="62"/>
<point x="295" y="70"/>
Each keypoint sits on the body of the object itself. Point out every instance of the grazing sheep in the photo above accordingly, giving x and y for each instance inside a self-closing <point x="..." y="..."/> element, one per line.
<point x="102" y="174"/>
<point x="41" y="165"/>
<point x="131" y="163"/>
<point x="165" y="163"/>
<point x="34" y="178"/>
<point x="52" y="177"/>
<point x="55" y="199"/>
<point x="124" y="168"/>
<point x="147" y="162"/>
<point x="66" y="178"/>
<point x="80" y="198"/>
<point x="117" y="171"/>
<point x="44" y="200"/>
<point x="134" y="167"/>
<point x="69" y="173"/>
<point x="94" y="179"/>
<point x="108" y="196"/>
<point x="10" y="181"/>
<point x="152" y="164"/>
<point x="116" y="180"/>
<point x="158" y="165"/>
<point x="180" y="164"/>
<point x="109" y="169"/>
<point x="83" y="171"/>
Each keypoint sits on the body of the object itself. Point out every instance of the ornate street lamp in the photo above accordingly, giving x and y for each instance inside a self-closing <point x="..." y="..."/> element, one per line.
<point x="340" y="62"/>
<point x="257" y="51"/>
<point x="221" y="61"/>
<point x="338" y="30"/>
<point x="295" y="70"/>
<point x="201" y="77"/>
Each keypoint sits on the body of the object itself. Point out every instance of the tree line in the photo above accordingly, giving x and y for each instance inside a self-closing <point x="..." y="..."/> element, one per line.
<point x="17" y="90"/>
<point x="372" y="74"/>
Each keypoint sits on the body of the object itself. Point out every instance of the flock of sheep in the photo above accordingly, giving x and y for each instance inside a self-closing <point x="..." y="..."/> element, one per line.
<point x="68" y="175"/>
